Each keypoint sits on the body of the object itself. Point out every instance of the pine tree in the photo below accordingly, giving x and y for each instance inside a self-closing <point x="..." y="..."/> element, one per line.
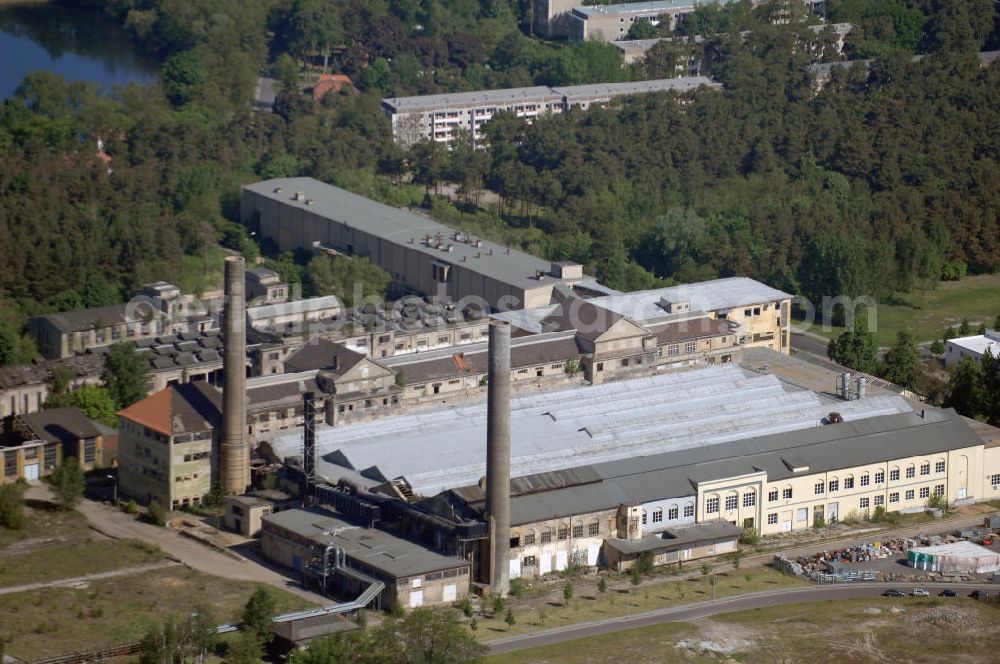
<point x="901" y="361"/>
<point x="966" y="392"/>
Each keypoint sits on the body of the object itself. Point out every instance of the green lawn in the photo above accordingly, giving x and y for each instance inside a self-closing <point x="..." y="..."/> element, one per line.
<point x="644" y="644"/>
<point x="923" y="630"/>
<point x="118" y="610"/>
<point x="857" y="630"/>
<point x="546" y="611"/>
<point x="926" y="314"/>
<point x="45" y="523"/>
<point x="66" y="561"/>
<point x="203" y="273"/>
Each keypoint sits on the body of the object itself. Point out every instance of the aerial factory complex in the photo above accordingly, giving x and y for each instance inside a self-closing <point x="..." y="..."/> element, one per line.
<point x="665" y="422"/>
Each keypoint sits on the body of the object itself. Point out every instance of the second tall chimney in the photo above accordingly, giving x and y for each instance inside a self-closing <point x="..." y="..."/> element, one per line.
<point x="234" y="454"/>
<point x="498" y="456"/>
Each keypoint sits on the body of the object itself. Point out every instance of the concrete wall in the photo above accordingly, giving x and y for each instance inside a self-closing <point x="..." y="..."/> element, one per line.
<point x="570" y="540"/>
<point x="153" y="466"/>
<point x="30" y="461"/>
<point x="684" y="508"/>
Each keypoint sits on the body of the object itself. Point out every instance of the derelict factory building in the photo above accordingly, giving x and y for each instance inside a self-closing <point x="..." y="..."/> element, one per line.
<point x="421" y="254"/>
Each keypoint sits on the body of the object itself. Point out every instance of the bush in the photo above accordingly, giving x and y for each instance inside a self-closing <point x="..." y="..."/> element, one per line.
<point x="749" y="536"/>
<point x="937" y="347"/>
<point x="498" y="605"/>
<point x="509" y="619"/>
<point x="12" y="506"/>
<point x="852" y="518"/>
<point x="819" y="522"/>
<point x="68" y="483"/>
<point x="466" y="607"/>
<point x="636" y="577"/>
<point x="706" y="569"/>
<point x="130" y="508"/>
<point x="156" y="513"/>
<point x="602" y="585"/>
<point x="567" y="593"/>
<point x="644" y="565"/>
<point x="518" y="587"/>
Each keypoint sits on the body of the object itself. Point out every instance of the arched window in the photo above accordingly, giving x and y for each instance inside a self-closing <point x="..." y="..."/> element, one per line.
<point x="546" y="535"/>
<point x="563" y="531"/>
<point x="594" y="528"/>
<point x="529" y="538"/>
<point x="911" y="472"/>
<point x="689" y="511"/>
<point x="894" y="474"/>
<point x="658" y="515"/>
<point x="672" y="513"/>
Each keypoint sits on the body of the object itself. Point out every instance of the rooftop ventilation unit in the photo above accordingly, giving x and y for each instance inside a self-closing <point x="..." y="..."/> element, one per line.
<point x="300" y="196"/>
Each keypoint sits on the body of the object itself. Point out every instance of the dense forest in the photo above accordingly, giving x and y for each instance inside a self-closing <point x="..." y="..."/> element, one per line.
<point x="884" y="180"/>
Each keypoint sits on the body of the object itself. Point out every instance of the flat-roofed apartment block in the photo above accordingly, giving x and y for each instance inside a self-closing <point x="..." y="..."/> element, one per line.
<point x="413" y="575"/>
<point x="438" y="117"/>
<point x="166" y="445"/>
<point x="552" y="17"/>
<point x="612" y="22"/>
<point x="420" y="254"/>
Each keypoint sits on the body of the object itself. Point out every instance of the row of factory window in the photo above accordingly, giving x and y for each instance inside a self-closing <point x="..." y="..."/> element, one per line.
<point x="593" y="529"/>
<point x="866" y="502"/>
<point x="674" y="349"/>
<point x="732" y="501"/>
<point x="672" y="513"/>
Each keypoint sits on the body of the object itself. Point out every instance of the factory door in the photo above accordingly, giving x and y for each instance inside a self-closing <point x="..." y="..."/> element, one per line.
<point x="416" y="598"/>
<point x="831" y="512"/>
<point x="31" y="472"/>
<point x="297" y="562"/>
<point x="515" y="568"/>
<point x="562" y="561"/>
<point x="592" y="552"/>
<point x="545" y="563"/>
<point x="962" y="477"/>
<point x="786" y="521"/>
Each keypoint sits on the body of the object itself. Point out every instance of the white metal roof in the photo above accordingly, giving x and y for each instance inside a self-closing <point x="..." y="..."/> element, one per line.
<point x="962" y="548"/>
<point x="979" y="343"/>
<point x="446" y="448"/>
<point x="644" y="306"/>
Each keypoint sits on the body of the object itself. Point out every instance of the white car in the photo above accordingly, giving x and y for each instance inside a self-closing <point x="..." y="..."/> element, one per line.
<point x="920" y="592"/>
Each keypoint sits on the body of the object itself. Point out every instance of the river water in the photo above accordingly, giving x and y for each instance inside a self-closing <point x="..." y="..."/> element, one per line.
<point x="79" y="44"/>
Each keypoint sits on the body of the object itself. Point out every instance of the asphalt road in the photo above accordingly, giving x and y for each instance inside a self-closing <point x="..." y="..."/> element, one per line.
<point x="707" y="608"/>
<point x="808" y="344"/>
<point x="116" y="524"/>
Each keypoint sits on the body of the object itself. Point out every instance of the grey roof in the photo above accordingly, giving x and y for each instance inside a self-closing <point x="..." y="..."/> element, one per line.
<point x="472" y="359"/>
<point x="541" y="94"/>
<point x="641" y="7"/>
<point x="80" y="320"/>
<point x="674" y="539"/>
<point x="403" y="227"/>
<point x="265" y="392"/>
<point x="391" y="555"/>
<point x="576" y="93"/>
<point x="321" y="354"/>
<point x="300" y="308"/>
<point x="505" y="96"/>
<point x="61" y="424"/>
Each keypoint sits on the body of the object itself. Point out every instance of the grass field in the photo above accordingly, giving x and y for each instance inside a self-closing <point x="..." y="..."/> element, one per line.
<point x="547" y="610"/>
<point x="117" y="610"/>
<point x="861" y="630"/>
<point x="926" y="314"/>
<point x="645" y="644"/>
<point x="200" y="274"/>
<point x="44" y="524"/>
<point x="66" y="561"/>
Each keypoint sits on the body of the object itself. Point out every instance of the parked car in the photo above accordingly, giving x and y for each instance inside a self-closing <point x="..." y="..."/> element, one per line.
<point x="892" y="592"/>
<point x="980" y="594"/>
<point x="948" y="592"/>
<point x="920" y="592"/>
